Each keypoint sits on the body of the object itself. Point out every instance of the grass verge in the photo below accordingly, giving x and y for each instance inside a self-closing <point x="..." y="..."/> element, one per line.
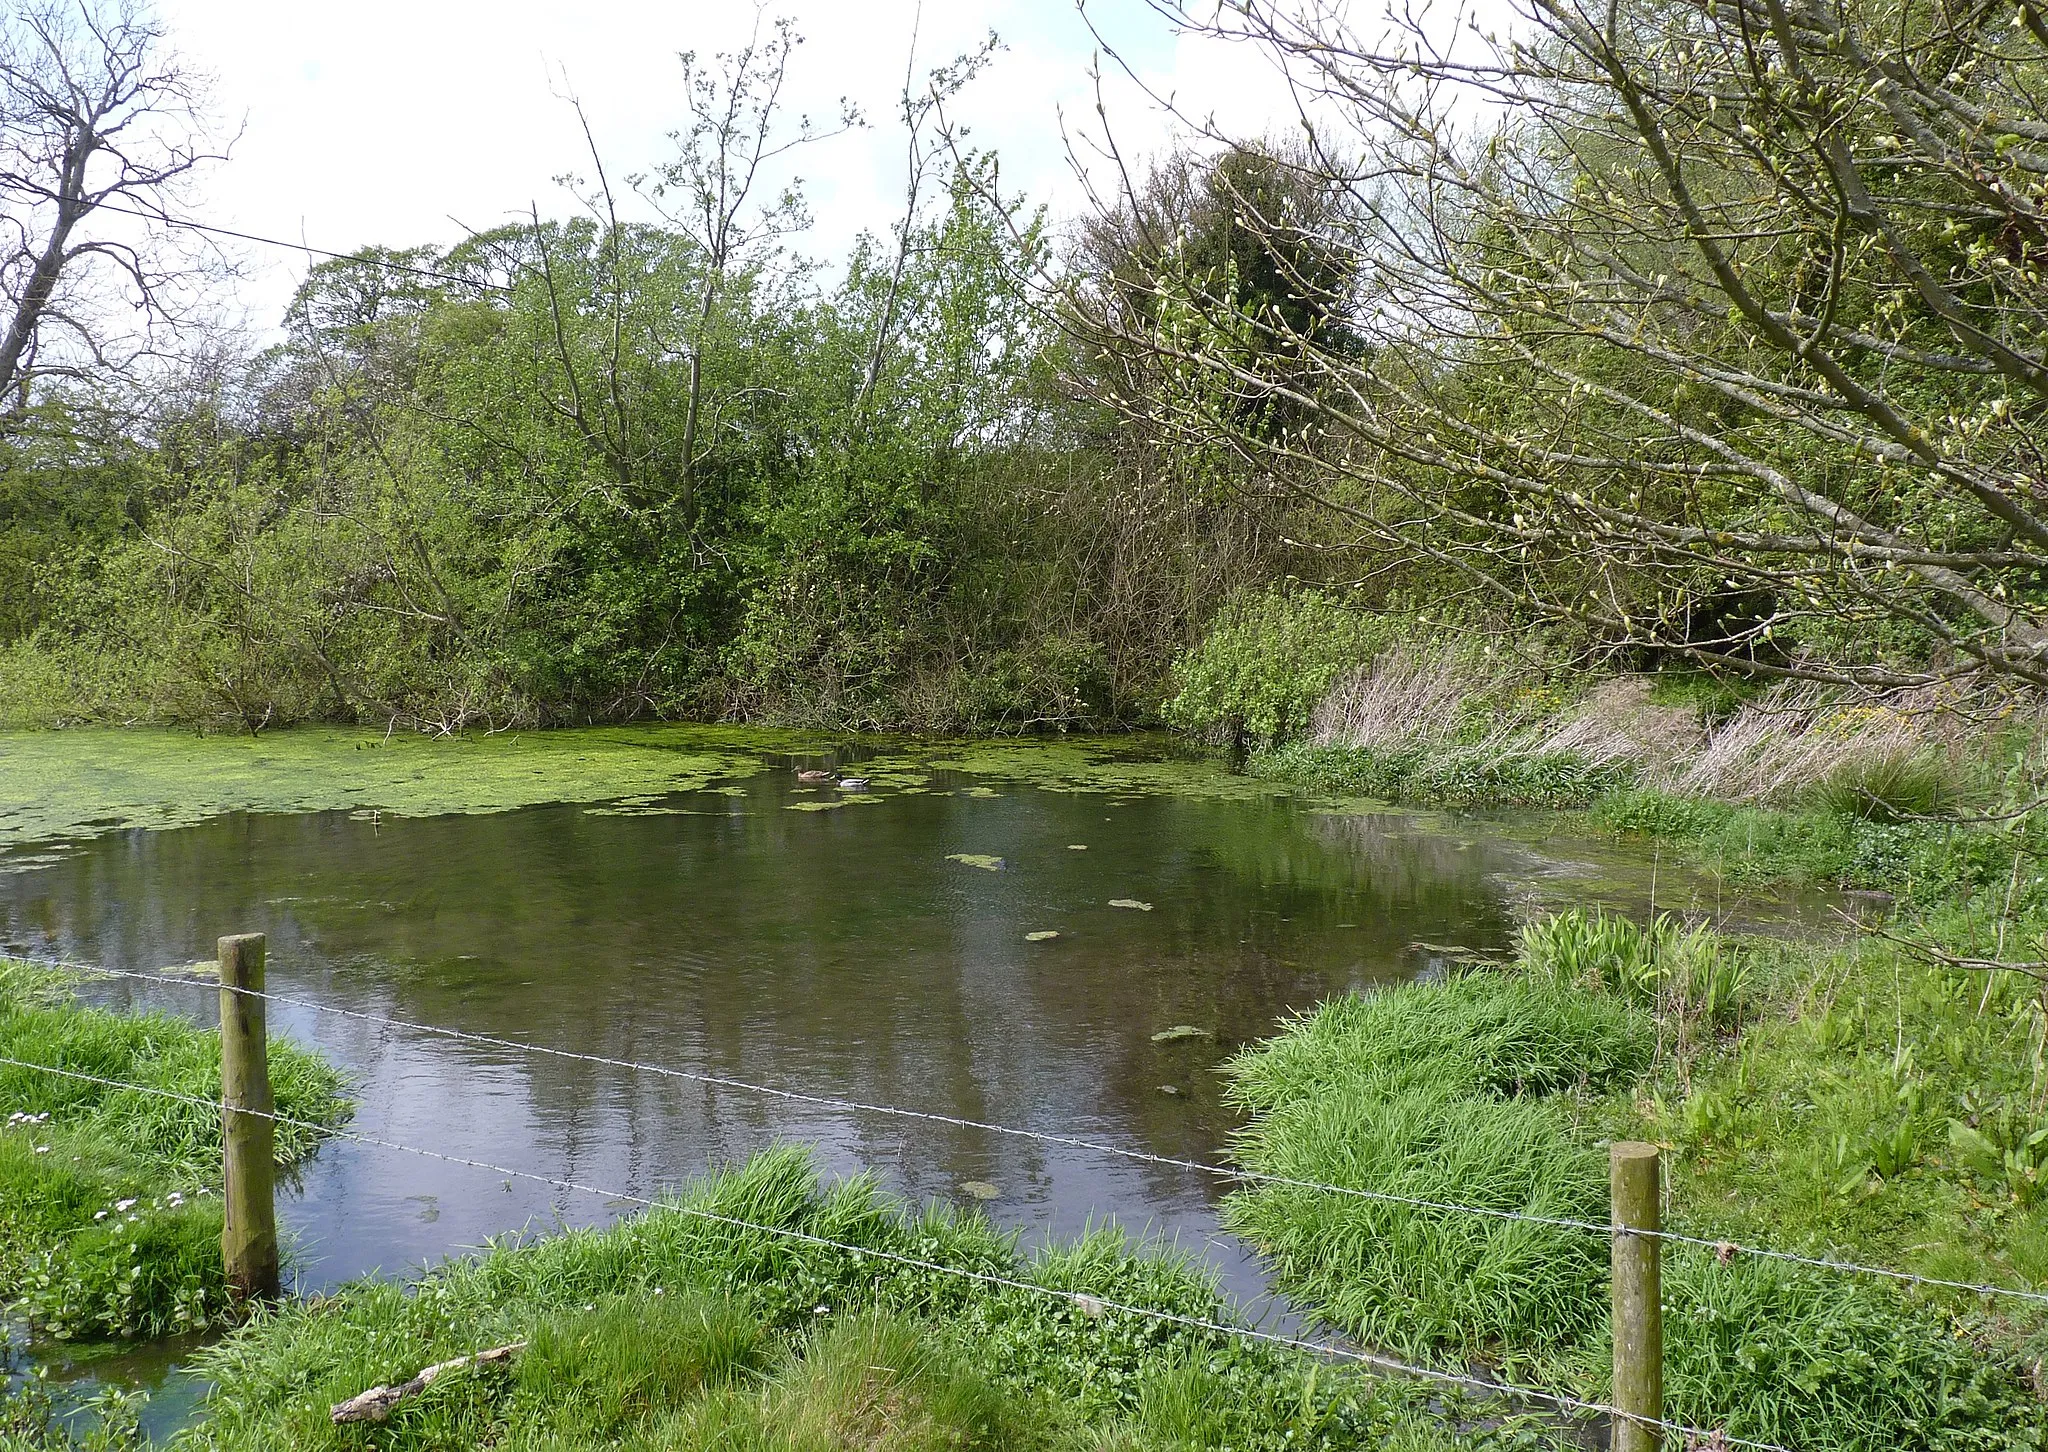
<point x="673" y="1330"/>
<point x="1814" y="1101"/>
<point x="109" y="1213"/>
<point x="1475" y="775"/>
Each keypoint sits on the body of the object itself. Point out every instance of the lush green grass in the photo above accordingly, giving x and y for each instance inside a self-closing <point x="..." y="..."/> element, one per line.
<point x="673" y="1330"/>
<point x="1436" y="775"/>
<point x="109" y="1220"/>
<point x="1873" y="824"/>
<point x="1497" y="1088"/>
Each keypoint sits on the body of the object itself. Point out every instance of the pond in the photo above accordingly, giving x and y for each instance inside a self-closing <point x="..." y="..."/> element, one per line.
<point x="1065" y="937"/>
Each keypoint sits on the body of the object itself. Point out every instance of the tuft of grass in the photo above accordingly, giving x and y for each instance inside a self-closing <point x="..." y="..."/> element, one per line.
<point x="1888" y="789"/>
<point x="109" y="1224"/>
<point x="871" y="1381"/>
<point x="1689" y="972"/>
<point x="1437" y="1092"/>
<point x="609" y="1368"/>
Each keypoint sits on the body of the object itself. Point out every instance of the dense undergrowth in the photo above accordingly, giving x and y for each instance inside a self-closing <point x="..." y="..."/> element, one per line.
<point x="675" y="1330"/>
<point x="1841" y="1101"/>
<point x="109" y="1212"/>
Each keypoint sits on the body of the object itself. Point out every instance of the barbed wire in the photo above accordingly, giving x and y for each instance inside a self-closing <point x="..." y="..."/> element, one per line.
<point x="1090" y="1304"/>
<point x="1722" y="1249"/>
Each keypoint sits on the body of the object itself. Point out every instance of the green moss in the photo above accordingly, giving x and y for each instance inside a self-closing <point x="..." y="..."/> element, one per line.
<point x="1131" y="766"/>
<point x="77" y="783"/>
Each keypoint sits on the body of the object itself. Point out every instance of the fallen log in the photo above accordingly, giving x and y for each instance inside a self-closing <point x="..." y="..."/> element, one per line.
<point x="378" y="1402"/>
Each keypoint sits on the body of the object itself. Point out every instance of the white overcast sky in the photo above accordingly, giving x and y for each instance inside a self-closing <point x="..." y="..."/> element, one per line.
<point x="400" y="123"/>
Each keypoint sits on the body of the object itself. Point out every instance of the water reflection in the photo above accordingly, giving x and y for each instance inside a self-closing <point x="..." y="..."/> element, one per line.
<point x="835" y="952"/>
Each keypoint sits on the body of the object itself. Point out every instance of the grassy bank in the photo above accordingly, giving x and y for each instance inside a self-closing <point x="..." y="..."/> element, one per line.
<point x="673" y="1330"/>
<point x="109" y="1209"/>
<point x="1831" y="1102"/>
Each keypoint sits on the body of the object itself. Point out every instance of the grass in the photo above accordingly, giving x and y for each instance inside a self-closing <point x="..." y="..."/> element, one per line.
<point x="1498" y="1088"/>
<point x="1473" y="775"/>
<point x="671" y="1330"/>
<point x="1871" y="824"/>
<point x="109" y="1213"/>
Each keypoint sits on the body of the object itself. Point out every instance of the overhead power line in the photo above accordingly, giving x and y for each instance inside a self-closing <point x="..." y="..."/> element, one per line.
<point x="384" y="262"/>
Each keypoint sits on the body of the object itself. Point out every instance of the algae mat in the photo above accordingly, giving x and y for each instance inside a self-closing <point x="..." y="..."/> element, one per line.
<point x="70" y="784"/>
<point x="66" y="785"/>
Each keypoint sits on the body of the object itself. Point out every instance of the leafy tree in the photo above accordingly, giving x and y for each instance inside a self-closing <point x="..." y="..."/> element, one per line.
<point x="1715" y="328"/>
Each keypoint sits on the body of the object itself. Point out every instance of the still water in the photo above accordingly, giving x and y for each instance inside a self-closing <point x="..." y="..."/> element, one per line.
<point x="755" y="928"/>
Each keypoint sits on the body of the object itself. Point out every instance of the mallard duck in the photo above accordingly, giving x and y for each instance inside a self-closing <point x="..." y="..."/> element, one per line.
<point x="853" y="784"/>
<point x="808" y="774"/>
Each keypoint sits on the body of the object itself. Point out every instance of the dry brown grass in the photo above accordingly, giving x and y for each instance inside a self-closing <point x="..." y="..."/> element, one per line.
<point x="1791" y="738"/>
<point x="1403" y="698"/>
<point x="1796" y="736"/>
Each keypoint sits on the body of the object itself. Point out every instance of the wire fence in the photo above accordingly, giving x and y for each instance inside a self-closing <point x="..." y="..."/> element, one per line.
<point x="1094" y="1306"/>
<point x="1723" y="1249"/>
<point x="1091" y="1305"/>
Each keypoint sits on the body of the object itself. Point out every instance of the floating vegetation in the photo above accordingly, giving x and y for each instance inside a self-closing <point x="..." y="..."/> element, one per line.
<point x="1044" y="935"/>
<point x="1132" y="903"/>
<point x="976" y="859"/>
<point x="82" y="783"/>
<point x="980" y="1189"/>
<point x="1182" y="1031"/>
<point x="86" y="782"/>
<point x="661" y="812"/>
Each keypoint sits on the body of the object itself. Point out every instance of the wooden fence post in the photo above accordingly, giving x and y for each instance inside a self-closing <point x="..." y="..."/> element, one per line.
<point x="248" y="1237"/>
<point x="1638" y="1299"/>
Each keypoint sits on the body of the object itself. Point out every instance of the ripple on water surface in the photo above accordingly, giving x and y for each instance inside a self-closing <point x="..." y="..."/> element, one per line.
<point x="1068" y="937"/>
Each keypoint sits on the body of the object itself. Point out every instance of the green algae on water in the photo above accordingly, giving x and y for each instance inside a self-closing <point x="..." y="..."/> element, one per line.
<point x="976" y="859"/>
<point x="58" y="784"/>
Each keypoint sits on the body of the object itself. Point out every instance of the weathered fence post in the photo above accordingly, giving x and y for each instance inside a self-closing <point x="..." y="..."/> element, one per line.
<point x="248" y="1237"/>
<point x="1638" y="1300"/>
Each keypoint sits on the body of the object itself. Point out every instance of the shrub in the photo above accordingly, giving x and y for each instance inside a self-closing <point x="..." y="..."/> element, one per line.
<point x="1268" y="661"/>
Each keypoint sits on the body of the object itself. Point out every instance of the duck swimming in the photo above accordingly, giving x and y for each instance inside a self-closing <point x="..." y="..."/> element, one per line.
<point x="808" y="774"/>
<point x="854" y="784"/>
